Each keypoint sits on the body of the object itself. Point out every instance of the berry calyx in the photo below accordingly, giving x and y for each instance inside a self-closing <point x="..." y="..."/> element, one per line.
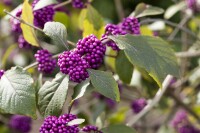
<point x="46" y="64"/>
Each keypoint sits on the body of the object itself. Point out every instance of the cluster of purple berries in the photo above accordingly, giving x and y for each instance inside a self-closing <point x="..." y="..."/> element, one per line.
<point x="46" y="64"/>
<point x="181" y="123"/>
<point x="138" y="105"/>
<point x="91" y="129"/>
<point x="41" y="16"/>
<point x="129" y="25"/>
<point x="1" y="73"/>
<point x="89" y="54"/>
<point x="20" y="123"/>
<point x="52" y="124"/>
<point x="79" y="3"/>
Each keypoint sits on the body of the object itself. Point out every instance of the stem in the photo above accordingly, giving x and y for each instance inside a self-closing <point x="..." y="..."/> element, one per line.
<point x="119" y="8"/>
<point x="171" y="24"/>
<point x="187" y="54"/>
<point x="156" y="99"/>
<point x="62" y="4"/>
<point x="22" y="21"/>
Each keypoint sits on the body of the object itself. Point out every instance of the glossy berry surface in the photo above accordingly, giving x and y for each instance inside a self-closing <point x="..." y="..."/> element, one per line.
<point x="43" y="15"/>
<point x="91" y="129"/>
<point x="52" y="124"/>
<point x="20" y="123"/>
<point x="46" y="64"/>
<point x="1" y="73"/>
<point x="70" y="62"/>
<point x="131" y="25"/>
<point x="92" y="50"/>
<point x="23" y="43"/>
<point x="138" y="104"/>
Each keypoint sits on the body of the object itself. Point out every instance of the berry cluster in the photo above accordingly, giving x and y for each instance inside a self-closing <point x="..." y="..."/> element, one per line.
<point x="20" y="123"/>
<point x="52" y="124"/>
<point x="43" y="15"/>
<point x="15" y="24"/>
<point x="181" y="123"/>
<point x="79" y="3"/>
<point x="70" y="62"/>
<point x="89" y="54"/>
<point x="23" y="43"/>
<point x="46" y="63"/>
<point x="128" y="26"/>
<point x="193" y="5"/>
<point x="91" y="129"/>
<point x="138" y="104"/>
<point x="1" y="73"/>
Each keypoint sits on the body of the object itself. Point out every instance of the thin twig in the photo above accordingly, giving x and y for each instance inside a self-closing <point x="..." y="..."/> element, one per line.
<point x="119" y="8"/>
<point x="22" y="21"/>
<point x="62" y="4"/>
<point x="171" y="24"/>
<point x="156" y="99"/>
<point x="187" y="54"/>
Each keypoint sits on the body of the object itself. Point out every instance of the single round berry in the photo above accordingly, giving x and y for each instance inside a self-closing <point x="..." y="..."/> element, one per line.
<point x="23" y="43"/>
<point x="52" y="124"/>
<point x="1" y="73"/>
<point x="46" y="64"/>
<point x="15" y="24"/>
<point x="70" y="62"/>
<point x="131" y="25"/>
<point x="91" y="129"/>
<point x="20" y="123"/>
<point x="42" y="15"/>
<point x="138" y="104"/>
<point x="92" y="50"/>
<point x="79" y="3"/>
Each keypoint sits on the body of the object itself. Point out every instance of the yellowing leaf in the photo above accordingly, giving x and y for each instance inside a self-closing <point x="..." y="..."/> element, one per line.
<point x="28" y="32"/>
<point x="146" y="31"/>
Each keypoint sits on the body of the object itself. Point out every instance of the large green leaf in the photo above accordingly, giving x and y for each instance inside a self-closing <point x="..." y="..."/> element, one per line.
<point x="57" y="32"/>
<point x="151" y="53"/>
<point x="143" y="9"/>
<point x="118" y="129"/>
<point x="52" y="95"/>
<point x="105" y="84"/>
<point x="123" y="67"/>
<point x="43" y="3"/>
<point x="17" y="95"/>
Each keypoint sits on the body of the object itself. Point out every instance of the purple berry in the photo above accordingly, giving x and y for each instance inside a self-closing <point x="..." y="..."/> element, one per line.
<point x="138" y="104"/>
<point x="193" y="5"/>
<point x="92" y="50"/>
<point x="79" y="3"/>
<point x="91" y="129"/>
<point x="112" y="29"/>
<point x="20" y="123"/>
<point x="46" y="64"/>
<point x="7" y="2"/>
<point x="15" y="24"/>
<point x="70" y="62"/>
<point x="43" y="15"/>
<point x="52" y="124"/>
<point x="188" y="129"/>
<point x="131" y="25"/>
<point x="1" y="73"/>
<point x="180" y="118"/>
<point x="23" y="43"/>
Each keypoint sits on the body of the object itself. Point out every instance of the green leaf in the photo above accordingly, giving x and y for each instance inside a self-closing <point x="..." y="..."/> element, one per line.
<point x="28" y="32"/>
<point x="118" y="129"/>
<point x="105" y="84"/>
<point x="43" y="3"/>
<point x="143" y="9"/>
<point x="52" y="95"/>
<point x="17" y="93"/>
<point x="172" y="10"/>
<point x="151" y="53"/>
<point x="80" y="90"/>
<point x="123" y="67"/>
<point x="75" y="122"/>
<point x="57" y="32"/>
